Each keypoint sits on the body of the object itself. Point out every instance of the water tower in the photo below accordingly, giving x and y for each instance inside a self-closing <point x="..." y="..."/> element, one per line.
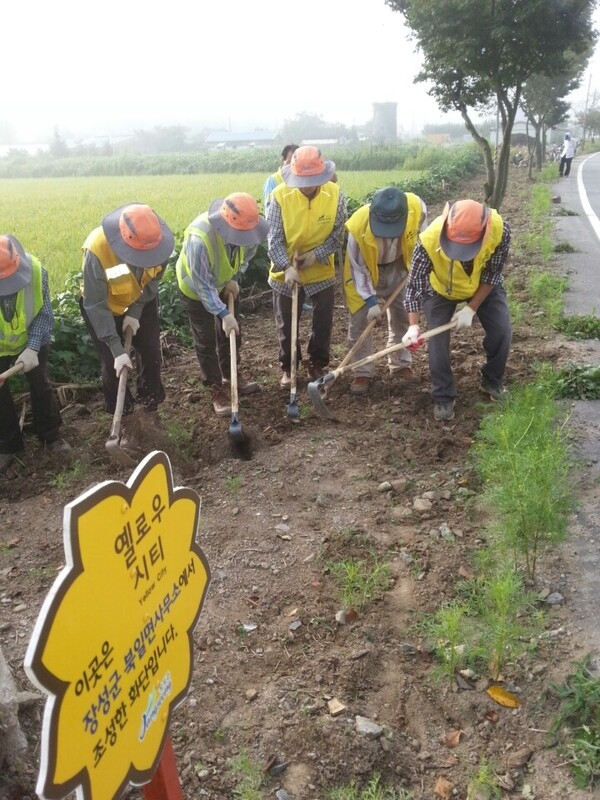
<point x="385" y="125"/>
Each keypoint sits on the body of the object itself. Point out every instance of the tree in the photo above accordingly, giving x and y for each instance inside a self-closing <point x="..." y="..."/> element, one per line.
<point x="313" y="126"/>
<point x="478" y="55"/>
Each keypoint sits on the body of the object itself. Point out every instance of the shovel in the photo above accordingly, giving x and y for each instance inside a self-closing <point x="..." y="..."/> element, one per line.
<point x="113" y="443"/>
<point x="293" y="412"/>
<point x="239" y="441"/>
<point x="4" y="376"/>
<point x="316" y="388"/>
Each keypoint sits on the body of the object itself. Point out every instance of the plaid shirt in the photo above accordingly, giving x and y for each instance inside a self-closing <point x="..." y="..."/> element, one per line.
<point x="278" y="250"/>
<point x="419" y="286"/>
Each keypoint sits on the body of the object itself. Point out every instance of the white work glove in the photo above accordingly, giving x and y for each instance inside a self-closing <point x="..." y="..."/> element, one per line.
<point x="306" y="260"/>
<point x="464" y="318"/>
<point x="231" y="288"/>
<point x="291" y="277"/>
<point x="29" y="359"/>
<point x="374" y="313"/>
<point x="230" y="324"/>
<point x="122" y="362"/>
<point x="413" y="337"/>
<point x="131" y="322"/>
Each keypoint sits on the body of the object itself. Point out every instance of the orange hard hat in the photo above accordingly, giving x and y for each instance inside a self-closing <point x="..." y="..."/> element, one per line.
<point x="465" y="227"/>
<point x="237" y="221"/>
<point x="138" y="236"/>
<point x="307" y="168"/>
<point x="15" y="266"/>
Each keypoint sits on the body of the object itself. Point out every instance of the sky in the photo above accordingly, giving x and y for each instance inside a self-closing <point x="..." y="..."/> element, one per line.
<point x="108" y="68"/>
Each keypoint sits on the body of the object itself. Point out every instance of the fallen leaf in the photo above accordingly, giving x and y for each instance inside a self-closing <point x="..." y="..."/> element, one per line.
<point x="451" y="761"/>
<point x="465" y="572"/>
<point x="492" y="715"/>
<point x="519" y="758"/>
<point x="503" y="697"/>
<point x="451" y="738"/>
<point x="443" y="788"/>
<point x="462" y="682"/>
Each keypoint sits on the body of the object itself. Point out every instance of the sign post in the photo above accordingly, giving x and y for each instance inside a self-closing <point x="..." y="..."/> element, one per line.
<point x="112" y="646"/>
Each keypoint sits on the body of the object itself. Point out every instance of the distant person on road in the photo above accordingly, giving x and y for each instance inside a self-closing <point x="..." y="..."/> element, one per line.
<point x="382" y="235"/>
<point x="567" y="155"/>
<point x="123" y="263"/>
<point x="217" y="248"/>
<point x="26" y="326"/>
<point x="459" y="258"/>
<point x="276" y="178"/>
<point x="307" y="215"/>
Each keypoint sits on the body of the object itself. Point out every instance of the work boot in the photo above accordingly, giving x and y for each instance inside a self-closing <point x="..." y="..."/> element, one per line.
<point x="404" y="374"/>
<point x="58" y="446"/>
<point x="6" y="459"/>
<point x="443" y="410"/>
<point x="286" y="380"/>
<point x="360" y="385"/>
<point x="220" y="400"/>
<point x="315" y="372"/>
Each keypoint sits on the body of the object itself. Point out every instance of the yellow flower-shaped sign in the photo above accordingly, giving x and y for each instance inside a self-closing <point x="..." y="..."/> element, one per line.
<point x="112" y="646"/>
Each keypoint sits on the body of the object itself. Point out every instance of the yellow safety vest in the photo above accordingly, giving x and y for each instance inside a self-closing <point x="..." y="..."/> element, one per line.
<point x="358" y="226"/>
<point x="306" y="225"/>
<point x="221" y="269"/>
<point x="30" y="301"/>
<point x="448" y="277"/>
<point x="123" y="288"/>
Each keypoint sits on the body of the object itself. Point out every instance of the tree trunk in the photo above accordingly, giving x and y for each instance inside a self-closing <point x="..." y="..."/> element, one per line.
<point x="488" y="157"/>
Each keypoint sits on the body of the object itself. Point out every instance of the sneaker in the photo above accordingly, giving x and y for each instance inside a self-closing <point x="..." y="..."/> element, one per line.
<point x="286" y="380"/>
<point x="443" y="410"/>
<point x="494" y="391"/>
<point x="360" y="385"/>
<point x="58" y="446"/>
<point x="245" y="385"/>
<point x="220" y="400"/>
<point x="6" y="459"/>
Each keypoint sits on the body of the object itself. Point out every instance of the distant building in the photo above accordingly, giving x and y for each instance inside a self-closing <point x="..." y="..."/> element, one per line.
<point x="237" y="139"/>
<point x="385" y="122"/>
<point x="438" y="138"/>
<point x="319" y="142"/>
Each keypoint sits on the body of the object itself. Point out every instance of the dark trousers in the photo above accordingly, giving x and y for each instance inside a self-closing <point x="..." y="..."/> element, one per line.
<point x="210" y="342"/>
<point x="44" y="408"/>
<point x="149" y="388"/>
<point x="564" y="167"/>
<point x="494" y="316"/>
<point x="319" y="343"/>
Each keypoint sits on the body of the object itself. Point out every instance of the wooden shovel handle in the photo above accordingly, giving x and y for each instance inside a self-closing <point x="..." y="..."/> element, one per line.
<point x="235" y="403"/>
<point x="294" y="343"/>
<point x="18" y="367"/>
<point x="393" y="349"/>
<point x="373" y="323"/>
<point x="120" y="403"/>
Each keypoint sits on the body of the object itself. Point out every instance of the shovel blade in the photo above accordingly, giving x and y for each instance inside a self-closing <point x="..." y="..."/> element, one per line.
<point x="235" y="430"/>
<point x="117" y="454"/>
<point x="317" y="391"/>
<point x="293" y="412"/>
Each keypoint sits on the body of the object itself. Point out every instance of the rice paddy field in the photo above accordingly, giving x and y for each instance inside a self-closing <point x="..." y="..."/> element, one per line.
<point x="51" y="217"/>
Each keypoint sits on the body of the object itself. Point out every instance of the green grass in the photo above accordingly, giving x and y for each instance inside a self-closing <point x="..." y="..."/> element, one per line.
<point x="52" y="216"/>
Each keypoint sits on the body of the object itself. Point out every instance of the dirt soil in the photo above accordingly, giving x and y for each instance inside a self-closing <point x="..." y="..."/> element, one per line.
<point x="270" y="654"/>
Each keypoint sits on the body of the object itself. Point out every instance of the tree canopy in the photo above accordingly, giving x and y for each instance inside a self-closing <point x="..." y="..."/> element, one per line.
<point x="479" y="54"/>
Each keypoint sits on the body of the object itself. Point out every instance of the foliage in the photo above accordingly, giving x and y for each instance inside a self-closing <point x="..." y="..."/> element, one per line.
<point x="447" y="630"/>
<point x="577" y="723"/>
<point x="574" y="382"/>
<point x="373" y="791"/>
<point x="250" y="777"/>
<point x="580" y="327"/>
<point x="478" y="54"/>
<point x="72" y="357"/>
<point x="521" y="455"/>
<point x="359" y="580"/>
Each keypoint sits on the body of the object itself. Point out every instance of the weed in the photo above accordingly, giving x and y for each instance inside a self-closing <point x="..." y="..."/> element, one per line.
<point x="359" y="581"/>
<point x="373" y="791"/>
<point x="233" y="484"/>
<point x="576" y="382"/>
<point x="564" y="247"/>
<point x="69" y="475"/>
<point x="546" y="292"/>
<point x="580" y="327"/>
<point x="578" y="723"/>
<point x="249" y="775"/>
<point x="484" y="783"/>
<point x="521" y="454"/>
<point x="446" y="630"/>
<point x="180" y="435"/>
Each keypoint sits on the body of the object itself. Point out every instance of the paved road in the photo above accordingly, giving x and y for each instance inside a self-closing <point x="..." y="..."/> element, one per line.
<point x="580" y="226"/>
<point x="580" y="196"/>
